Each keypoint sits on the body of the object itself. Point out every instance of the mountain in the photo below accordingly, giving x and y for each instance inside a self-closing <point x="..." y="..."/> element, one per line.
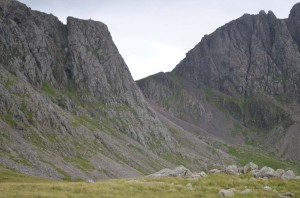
<point x="69" y="108"/>
<point x="241" y="84"/>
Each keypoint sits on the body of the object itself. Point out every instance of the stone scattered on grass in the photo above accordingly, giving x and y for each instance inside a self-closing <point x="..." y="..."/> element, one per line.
<point x="286" y="195"/>
<point x="214" y="171"/>
<point x="246" y="191"/>
<point x="90" y="181"/>
<point x="288" y="175"/>
<point x="267" y="188"/>
<point x="190" y="186"/>
<point x="226" y="192"/>
<point x="232" y="170"/>
<point x="249" y="167"/>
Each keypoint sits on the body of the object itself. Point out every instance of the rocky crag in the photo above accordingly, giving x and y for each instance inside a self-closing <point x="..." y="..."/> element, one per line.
<point x="241" y="83"/>
<point x="70" y="109"/>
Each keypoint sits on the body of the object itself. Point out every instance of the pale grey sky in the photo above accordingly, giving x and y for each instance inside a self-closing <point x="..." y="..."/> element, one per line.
<point x="154" y="35"/>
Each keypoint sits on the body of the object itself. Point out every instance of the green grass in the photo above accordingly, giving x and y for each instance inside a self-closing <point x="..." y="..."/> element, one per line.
<point x="7" y="176"/>
<point x="16" y="185"/>
<point x="48" y="89"/>
<point x="9" y="119"/>
<point x="261" y="159"/>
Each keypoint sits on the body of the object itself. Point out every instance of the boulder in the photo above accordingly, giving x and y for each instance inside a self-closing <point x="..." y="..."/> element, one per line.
<point x="286" y="195"/>
<point x="288" y="175"/>
<point x="232" y="170"/>
<point x="279" y="173"/>
<point x="213" y="171"/>
<point x="267" y="188"/>
<point x="90" y="181"/>
<point x="203" y="174"/>
<point x="249" y="167"/>
<point x="298" y="177"/>
<point x="198" y="175"/>
<point x="190" y="186"/>
<point x="226" y="192"/>
<point x="256" y="173"/>
<point x="179" y="171"/>
<point x="267" y="172"/>
<point x="162" y="173"/>
<point x="246" y="191"/>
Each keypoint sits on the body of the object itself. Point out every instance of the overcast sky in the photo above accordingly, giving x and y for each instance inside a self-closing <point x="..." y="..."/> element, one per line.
<point x="154" y="35"/>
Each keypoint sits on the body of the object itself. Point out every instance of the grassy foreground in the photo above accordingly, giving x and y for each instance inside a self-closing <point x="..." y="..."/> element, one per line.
<point x="17" y="185"/>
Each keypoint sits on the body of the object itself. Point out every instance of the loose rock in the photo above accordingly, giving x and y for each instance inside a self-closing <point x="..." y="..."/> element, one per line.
<point x="279" y="173"/>
<point x="190" y="186"/>
<point x="288" y="175"/>
<point x="249" y="167"/>
<point x="232" y="170"/>
<point x="214" y="171"/>
<point x="267" y="188"/>
<point x="226" y="193"/>
<point x="286" y="195"/>
<point x="90" y="181"/>
<point x="179" y="171"/>
<point x="267" y="172"/>
<point x="246" y="191"/>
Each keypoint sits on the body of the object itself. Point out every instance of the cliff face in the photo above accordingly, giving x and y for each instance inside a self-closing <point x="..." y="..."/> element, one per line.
<point x="70" y="108"/>
<point x="248" y="69"/>
<point x="250" y="55"/>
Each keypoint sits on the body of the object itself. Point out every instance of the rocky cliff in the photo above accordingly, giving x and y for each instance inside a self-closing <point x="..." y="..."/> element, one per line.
<point x="70" y="108"/>
<point x="249" y="70"/>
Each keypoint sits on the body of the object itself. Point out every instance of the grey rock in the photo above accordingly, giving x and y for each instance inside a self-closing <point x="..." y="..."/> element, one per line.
<point x="249" y="167"/>
<point x="232" y="170"/>
<point x="198" y="175"/>
<point x="226" y="192"/>
<point x="179" y="171"/>
<point x="90" y="181"/>
<point x="203" y="174"/>
<point x="246" y="191"/>
<point x="256" y="173"/>
<point x="279" y="173"/>
<point x="288" y="175"/>
<point x="286" y="195"/>
<point x="267" y="172"/>
<point x="190" y="186"/>
<point x="213" y="171"/>
<point x="267" y="188"/>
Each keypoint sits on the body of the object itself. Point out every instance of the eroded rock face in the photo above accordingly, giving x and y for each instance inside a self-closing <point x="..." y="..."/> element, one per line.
<point x="247" y="56"/>
<point x="67" y="99"/>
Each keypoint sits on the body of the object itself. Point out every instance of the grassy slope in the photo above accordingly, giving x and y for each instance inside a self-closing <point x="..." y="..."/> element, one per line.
<point x="16" y="185"/>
